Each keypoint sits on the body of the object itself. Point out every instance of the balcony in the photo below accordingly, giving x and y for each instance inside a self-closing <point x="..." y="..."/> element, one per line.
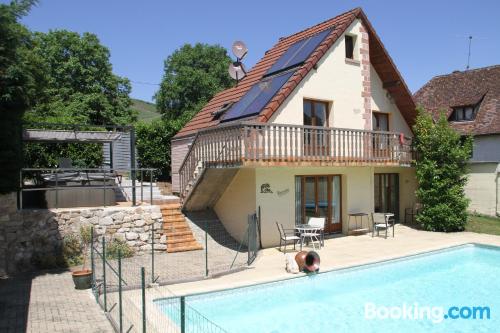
<point x="257" y="144"/>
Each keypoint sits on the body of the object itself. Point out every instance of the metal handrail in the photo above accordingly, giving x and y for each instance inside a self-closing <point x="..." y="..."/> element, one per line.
<point x="99" y="171"/>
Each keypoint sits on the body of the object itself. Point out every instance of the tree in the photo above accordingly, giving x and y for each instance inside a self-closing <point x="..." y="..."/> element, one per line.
<point x="441" y="170"/>
<point x="80" y="85"/>
<point x="153" y="145"/>
<point x="18" y="87"/>
<point x="192" y="76"/>
<point x="79" y="88"/>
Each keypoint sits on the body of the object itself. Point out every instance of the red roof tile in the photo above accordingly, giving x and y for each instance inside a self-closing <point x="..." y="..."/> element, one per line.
<point x="384" y="67"/>
<point x="444" y="92"/>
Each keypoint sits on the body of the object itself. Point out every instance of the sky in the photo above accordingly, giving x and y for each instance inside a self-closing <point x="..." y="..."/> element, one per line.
<point x="424" y="38"/>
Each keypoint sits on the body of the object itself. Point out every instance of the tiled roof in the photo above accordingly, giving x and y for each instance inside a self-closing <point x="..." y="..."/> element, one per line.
<point x="470" y="87"/>
<point x="384" y="67"/>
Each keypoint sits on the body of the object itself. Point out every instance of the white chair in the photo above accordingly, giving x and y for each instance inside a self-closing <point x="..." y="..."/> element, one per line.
<point x="318" y="222"/>
<point x="313" y="234"/>
<point x="382" y="221"/>
<point x="287" y="235"/>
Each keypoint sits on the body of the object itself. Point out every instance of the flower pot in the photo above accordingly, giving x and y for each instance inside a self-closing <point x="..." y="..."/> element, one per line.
<point x="82" y="279"/>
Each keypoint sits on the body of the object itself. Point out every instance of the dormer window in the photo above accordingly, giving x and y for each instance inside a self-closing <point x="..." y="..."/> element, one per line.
<point x="350" y="43"/>
<point x="464" y="113"/>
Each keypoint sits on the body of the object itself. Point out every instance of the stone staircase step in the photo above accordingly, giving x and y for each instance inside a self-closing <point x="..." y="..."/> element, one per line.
<point x="184" y="247"/>
<point x="183" y="239"/>
<point x="170" y="206"/>
<point x="170" y="212"/>
<point x="174" y="218"/>
<point x="172" y="234"/>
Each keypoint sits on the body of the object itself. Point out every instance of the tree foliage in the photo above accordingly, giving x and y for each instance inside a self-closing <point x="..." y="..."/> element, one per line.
<point x="18" y="87"/>
<point x="192" y="76"/>
<point x="79" y="88"/>
<point x="441" y="170"/>
<point x="153" y="145"/>
<point x="79" y="84"/>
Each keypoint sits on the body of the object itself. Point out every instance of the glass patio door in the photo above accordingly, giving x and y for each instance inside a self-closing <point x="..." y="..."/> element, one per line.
<point x="319" y="196"/>
<point x="386" y="190"/>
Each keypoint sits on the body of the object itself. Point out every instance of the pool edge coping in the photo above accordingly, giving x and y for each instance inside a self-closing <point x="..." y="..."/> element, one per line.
<point x="345" y="269"/>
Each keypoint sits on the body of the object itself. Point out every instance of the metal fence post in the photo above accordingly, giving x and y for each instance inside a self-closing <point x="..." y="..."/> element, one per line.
<point x="250" y="217"/>
<point x="21" y="184"/>
<point x="92" y="261"/>
<point x="142" y="181"/>
<point x="183" y="314"/>
<point x="143" y="286"/>
<point x="57" y="191"/>
<point x="104" y="273"/>
<point x="150" y="187"/>
<point x="104" y="188"/>
<point x="153" y="252"/>
<point x="120" y="309"/>
<point x="206" y="247"/>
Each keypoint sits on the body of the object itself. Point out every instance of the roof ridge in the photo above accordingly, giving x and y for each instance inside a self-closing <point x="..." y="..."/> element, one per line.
<point x="351" y="11"/>
<point x="466" y="71"/>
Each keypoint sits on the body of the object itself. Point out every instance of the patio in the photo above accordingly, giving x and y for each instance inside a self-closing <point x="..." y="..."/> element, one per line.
<point x="338" y="252"/>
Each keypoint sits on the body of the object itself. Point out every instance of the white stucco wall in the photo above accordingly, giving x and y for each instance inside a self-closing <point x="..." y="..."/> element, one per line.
<point x="382" y="103"/>
<point x="237" y="202"/>
<point x="340" y="82"/>
<point x="242" y="197"/>
<point x="483" y="188"/>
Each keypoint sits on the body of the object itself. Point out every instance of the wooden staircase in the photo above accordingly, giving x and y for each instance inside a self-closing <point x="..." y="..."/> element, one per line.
<point x="180" y="238"/>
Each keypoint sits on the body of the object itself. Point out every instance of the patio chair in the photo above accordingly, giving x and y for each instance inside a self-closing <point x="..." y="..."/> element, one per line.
<point x="286" y="236"/>
<point x="318" y="222"/>
<point x="313" y="235"/>
<point x="382" y="221"/>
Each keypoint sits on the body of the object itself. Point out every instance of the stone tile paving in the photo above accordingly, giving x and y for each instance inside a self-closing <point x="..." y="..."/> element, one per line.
<point x="48" y="302"/>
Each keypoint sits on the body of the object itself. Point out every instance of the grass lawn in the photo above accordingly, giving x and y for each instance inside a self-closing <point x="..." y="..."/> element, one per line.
<point x="483" y="224"/>
<point x="147" y="111"/>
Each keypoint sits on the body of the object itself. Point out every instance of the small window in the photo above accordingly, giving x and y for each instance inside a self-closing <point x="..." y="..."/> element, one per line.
<point x="315" y="113"/>
<point x="349" y="47"/>
<point x="380" y="121"/>
<point x="464" y="113"/>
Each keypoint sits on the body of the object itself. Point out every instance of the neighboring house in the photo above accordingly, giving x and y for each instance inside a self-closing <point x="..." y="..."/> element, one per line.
<point x="471" y="103"/>
<point x="320" y="126"/>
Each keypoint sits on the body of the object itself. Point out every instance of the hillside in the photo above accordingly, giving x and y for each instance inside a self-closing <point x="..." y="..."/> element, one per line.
<point x="147" y="111"/>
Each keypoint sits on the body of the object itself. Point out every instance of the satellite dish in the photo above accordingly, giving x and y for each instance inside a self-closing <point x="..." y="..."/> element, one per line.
<point x="239" y="49"/>
<point x="237" y="70"/>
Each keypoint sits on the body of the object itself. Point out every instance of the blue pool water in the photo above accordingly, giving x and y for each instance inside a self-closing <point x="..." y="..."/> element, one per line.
<point x="467" y="276"/>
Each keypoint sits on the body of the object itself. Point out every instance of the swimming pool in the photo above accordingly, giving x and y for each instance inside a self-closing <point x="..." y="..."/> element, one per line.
<point x="394" y="296"/>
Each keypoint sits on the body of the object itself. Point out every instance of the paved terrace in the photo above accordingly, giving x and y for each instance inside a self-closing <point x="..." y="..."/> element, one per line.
<point x="49" y="303"/>
<point x="338" y="252"/>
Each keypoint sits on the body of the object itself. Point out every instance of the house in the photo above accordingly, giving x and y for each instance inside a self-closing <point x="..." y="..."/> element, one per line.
<point x="320" y="126"/>
<point x="471" y="103"/>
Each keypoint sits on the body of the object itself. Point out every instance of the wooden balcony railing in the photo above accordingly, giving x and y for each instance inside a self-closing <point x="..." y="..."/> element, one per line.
<point x="276" y="144"/>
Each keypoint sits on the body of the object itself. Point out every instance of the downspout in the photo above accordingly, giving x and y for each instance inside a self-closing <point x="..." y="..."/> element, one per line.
<point x="498" y="189"/>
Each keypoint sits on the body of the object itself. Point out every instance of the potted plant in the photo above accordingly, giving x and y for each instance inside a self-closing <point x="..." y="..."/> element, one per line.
<point x="83" y="277"/>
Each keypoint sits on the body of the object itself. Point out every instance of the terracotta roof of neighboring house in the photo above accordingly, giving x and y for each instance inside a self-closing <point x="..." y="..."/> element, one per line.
<point x="379" y="58"/>
<point x="470" y="87"/>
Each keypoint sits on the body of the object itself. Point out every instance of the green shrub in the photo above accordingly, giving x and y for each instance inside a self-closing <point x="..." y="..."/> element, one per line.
<point x="72" y="251"/>
<point x="116" y="246"/>
<point x="441" y="170"/>
<point x="153" y="145"/>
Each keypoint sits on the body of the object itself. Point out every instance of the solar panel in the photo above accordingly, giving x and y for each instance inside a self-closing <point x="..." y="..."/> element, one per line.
<point x="298" y="52"/>
<point x="257" y="97"/>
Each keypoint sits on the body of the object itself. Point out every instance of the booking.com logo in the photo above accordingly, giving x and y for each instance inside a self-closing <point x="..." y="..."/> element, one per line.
<point x="434" y="313"/>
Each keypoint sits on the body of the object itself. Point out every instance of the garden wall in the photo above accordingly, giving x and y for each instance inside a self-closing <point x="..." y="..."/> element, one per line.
<point x="31" y="235"/>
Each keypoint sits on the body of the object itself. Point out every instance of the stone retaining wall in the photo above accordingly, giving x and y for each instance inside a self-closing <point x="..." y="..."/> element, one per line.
<point x="40" y="232"/>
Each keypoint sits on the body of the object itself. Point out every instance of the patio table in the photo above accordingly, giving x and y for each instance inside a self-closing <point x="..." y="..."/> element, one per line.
<point x="306" y="228"/>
